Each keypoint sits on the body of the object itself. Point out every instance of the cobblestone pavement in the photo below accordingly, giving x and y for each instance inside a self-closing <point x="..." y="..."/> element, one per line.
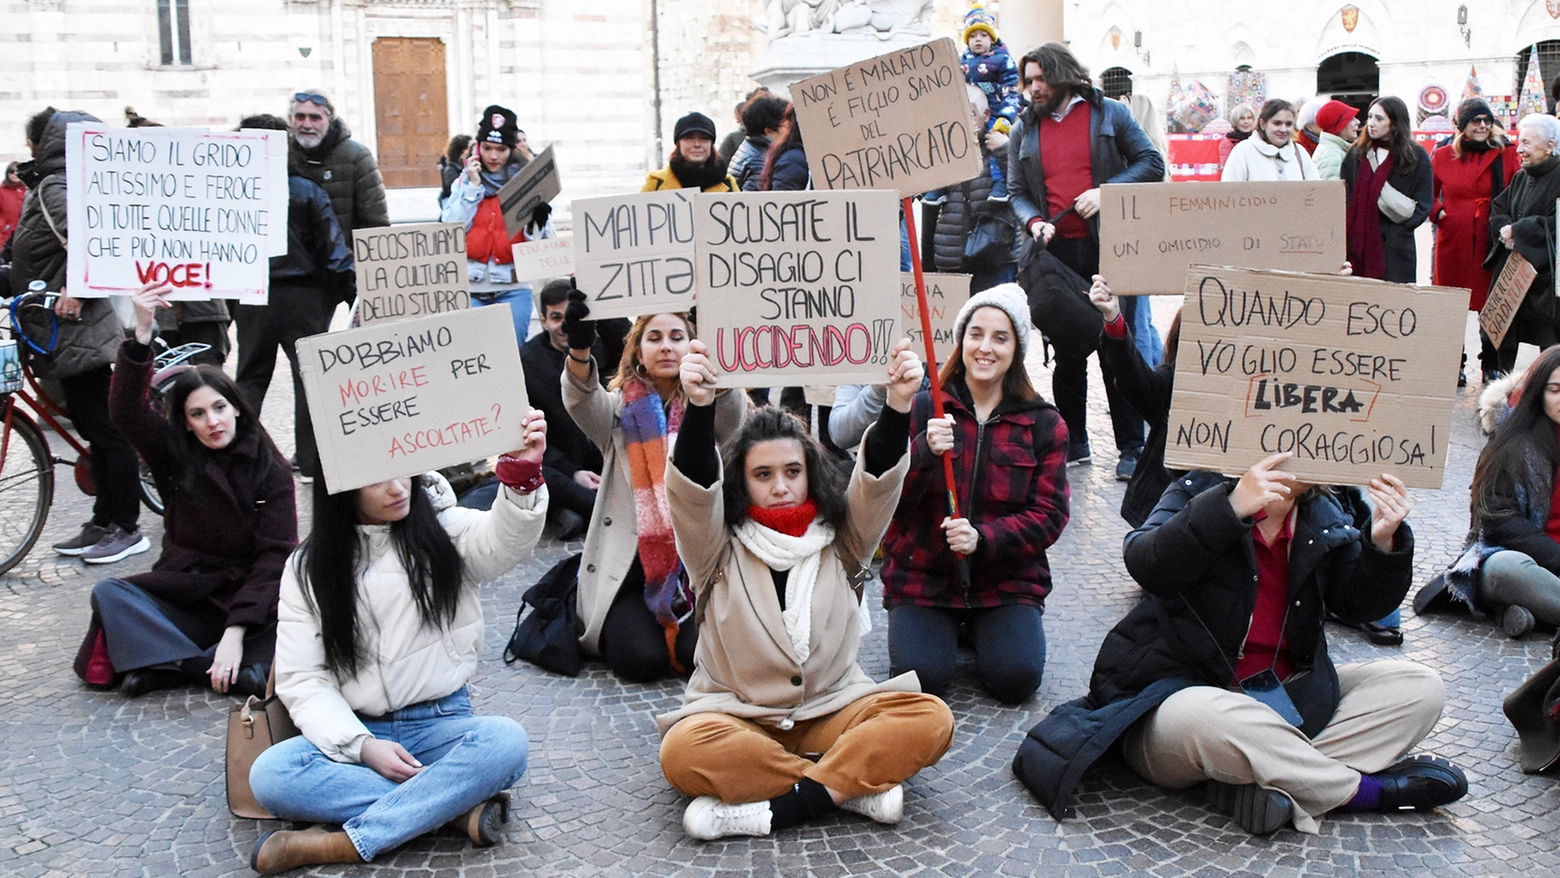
<point x="97" y="784"/>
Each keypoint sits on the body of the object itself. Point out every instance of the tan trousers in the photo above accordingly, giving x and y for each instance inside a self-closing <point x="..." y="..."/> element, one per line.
<point x="1204" y="733"/>
<point x="870" y="745"/>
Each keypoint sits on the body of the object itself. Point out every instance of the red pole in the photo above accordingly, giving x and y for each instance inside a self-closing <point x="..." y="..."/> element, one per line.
<point x="931" y="353"/>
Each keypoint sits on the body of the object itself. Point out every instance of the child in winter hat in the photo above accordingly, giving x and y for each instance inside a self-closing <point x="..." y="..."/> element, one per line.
<point x="990" y="67"/>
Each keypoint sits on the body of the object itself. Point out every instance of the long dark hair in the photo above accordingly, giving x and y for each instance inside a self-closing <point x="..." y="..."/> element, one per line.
<point x="789" y="139"/>
<point x="1270" y="109"/>
<point x="330" y="561"/>
<point x="1527" y="429"/>
<point x="186" y="451"/>
<point x="825" y="484"/>
<point x="1015" y="384"/>
<point x="1400" y="142"/>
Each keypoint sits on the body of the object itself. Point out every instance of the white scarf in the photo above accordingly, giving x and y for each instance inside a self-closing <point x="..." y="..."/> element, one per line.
<point x="802" y="556"/>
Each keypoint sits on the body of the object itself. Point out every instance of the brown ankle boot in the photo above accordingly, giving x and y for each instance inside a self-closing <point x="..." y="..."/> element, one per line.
<point x="284" y="849"/>
<point x="481" y="822"/>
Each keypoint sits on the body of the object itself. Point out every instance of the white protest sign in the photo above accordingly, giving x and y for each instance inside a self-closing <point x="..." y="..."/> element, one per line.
<point x="899" y="121"/>
<point x="193" y="208"/>
<point x="798" y="287"/>
<point x="410" y="271"/>
<point x="1150" y="232"/>
<point x="1506" y="295"/>
<point x="544" y="259"/>
<point x="394" y="399"/>
<point x="1354" y="376"/>
<point x="633" y="254"/>
<point x="945" y="295"/>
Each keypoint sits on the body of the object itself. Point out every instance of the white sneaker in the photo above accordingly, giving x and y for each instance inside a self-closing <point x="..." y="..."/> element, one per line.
<point x="885" y="807"/>
<point x="709" y="818"/>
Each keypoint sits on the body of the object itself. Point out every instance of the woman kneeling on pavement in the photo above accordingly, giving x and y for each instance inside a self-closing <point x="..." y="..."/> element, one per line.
<point x="380" y="629"/>
<point x="772" y="545"/>
<point x="985" y="571"/>
<point x="1221" y="673"/>
<point x="207" y="609"/>
<point x="634" y="598"/>
<point x="1510" y="569"/>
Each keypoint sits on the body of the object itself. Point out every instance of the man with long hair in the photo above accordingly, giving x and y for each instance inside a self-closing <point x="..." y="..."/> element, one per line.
<point x="1070" y="140"/>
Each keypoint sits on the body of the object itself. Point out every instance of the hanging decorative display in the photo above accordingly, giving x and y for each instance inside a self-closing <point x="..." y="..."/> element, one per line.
<point x="1532" y="98"/>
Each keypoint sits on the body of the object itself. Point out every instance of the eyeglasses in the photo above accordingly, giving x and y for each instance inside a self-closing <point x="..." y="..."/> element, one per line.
<point x="1481" y="120"/>
<point x="304" y="97"/>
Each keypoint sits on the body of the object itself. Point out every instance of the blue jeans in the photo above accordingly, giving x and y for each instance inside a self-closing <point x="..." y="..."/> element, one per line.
<point x="519" y="302"/>
<point x="1009" y="647"/>
<point x="468" y="759"/>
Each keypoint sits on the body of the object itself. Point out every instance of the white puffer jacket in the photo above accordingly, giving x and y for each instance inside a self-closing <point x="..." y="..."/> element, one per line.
<point x="404" y="662"/>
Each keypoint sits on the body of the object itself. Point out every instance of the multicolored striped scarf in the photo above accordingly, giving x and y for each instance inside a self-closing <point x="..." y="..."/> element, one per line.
<point x="646" y="424"/>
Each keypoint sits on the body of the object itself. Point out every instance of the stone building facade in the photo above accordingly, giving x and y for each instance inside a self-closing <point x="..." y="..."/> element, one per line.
<point x="1410" y="45"/>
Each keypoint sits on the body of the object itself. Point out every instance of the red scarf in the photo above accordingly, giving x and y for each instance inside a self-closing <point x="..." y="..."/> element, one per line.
<point x="789" y="520"/>
<point x="1367" y="251"/>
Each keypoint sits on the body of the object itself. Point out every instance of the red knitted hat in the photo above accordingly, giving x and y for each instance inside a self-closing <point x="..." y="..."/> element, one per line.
<point x="1334" y="117"/>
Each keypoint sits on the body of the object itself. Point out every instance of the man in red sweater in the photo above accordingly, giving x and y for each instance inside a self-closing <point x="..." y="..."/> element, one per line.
<point x="1070" y="139"/>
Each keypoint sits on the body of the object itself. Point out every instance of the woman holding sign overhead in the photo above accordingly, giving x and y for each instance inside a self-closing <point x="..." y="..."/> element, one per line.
<point x="380" y="627"/>
<point x="473" y="200"/>
<point x="206" y="611"/>
<point x="983" y="573"/>
<point x="634" y="597"/>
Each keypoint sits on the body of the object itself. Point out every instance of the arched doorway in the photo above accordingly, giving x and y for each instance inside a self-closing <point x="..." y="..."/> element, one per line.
<point x="1351" y="77"/>
<point x="1116" y="82"/>
<point x="1548" y="67"/>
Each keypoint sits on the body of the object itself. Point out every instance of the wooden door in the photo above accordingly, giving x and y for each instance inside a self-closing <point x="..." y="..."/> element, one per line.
<point x="409" y="107"/>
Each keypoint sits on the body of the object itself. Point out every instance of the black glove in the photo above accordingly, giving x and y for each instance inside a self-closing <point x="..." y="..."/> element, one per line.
<point x="577" y="324"/>
<point x="540" y="214"/>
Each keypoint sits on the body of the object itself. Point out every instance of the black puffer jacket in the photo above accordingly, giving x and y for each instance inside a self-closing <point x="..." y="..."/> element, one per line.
<point x="37" y="253"/>
<point x="1528" y="206"/>
<point x="346" y="170"/>
<point x="1194" y="558"/>
<point x="317" y="252"/>
<point x="958" y="207"/>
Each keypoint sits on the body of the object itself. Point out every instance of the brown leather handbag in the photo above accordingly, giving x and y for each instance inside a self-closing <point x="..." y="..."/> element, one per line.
<point x="253" y="727"/>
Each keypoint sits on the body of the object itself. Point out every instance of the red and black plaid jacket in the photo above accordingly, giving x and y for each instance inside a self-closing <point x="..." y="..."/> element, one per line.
<point x="1011" y="479"/>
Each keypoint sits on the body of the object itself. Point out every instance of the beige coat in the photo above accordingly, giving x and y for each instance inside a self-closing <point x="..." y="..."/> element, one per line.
<point x="745" y="665"/>
<point x="612" y="543"/>
<point x="404" y="661"/>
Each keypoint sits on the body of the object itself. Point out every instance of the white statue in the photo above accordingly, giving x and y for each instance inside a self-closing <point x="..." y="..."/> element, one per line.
<point x="882" y="18"/>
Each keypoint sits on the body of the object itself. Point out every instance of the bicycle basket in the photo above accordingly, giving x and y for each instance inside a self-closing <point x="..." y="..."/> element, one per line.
<point x="10" y="367"/>
<point x="34" y="324"/>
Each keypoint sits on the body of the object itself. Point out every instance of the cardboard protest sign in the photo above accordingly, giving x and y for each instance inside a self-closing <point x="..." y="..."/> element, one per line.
<point x="1150" y="232"/>
<point x="1506" y="295"/>
<point x="394" y="399"/>
<point x="899" y="121"/>
<point x="200" y="210"/>
<point x="410" y="271"/>
<point x="536" y="183"/>
<point x="798" y="287"/>
<point x="945" y="295"/>
<point x="547" y="258"/>
<point x="1356" y="377"/>
<point x="633" y="254"/>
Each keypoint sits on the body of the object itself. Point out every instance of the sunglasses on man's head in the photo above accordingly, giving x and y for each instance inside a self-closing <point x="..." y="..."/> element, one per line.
<point x="302" y="97"/>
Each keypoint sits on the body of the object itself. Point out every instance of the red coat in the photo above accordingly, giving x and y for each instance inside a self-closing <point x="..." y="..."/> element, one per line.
<point x="10" y="209"/>
<point x="488" y="239"/>
<point x="1461" y="210"/>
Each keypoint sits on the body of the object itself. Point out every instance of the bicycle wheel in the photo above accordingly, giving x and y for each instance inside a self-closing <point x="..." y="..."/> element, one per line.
<point x="26" y="489"/>
<point x="150" y="498"/>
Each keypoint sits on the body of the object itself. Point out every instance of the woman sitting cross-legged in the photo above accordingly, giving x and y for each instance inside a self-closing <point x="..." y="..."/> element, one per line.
<point x="380" y="628"/>
<point x="206" y="611"/>
<point x="779" y="724"/>
<point x="1221" y="673"/>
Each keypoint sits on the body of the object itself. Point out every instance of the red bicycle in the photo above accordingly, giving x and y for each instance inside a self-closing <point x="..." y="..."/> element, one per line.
<point x="26" y="460"/>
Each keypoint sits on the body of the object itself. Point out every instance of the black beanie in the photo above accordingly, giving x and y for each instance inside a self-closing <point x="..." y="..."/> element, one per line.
<point x="498" y="125"/>
<point x="1470" y="108"/>
<point x="694" y="123"/>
